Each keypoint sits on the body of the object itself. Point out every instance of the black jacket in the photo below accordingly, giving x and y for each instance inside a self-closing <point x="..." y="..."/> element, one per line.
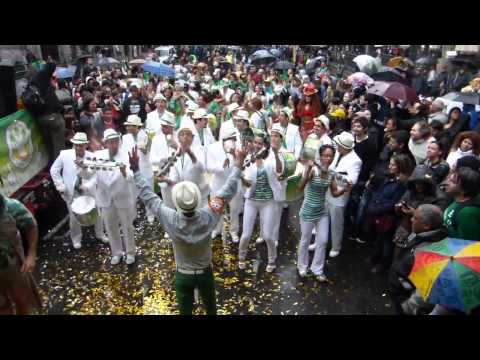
<point x="367" y="152"/>
<point x="42" y="80"/>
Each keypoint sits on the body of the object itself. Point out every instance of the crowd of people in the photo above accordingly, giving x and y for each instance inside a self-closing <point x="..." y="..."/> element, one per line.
<point x="229" y="137"/>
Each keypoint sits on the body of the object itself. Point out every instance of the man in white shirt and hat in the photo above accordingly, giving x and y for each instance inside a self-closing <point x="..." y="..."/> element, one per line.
<point x="202" y="134"/>
<point x="291" y="140"/>
<point x="137" y="137"/>
<point x="229" y="125"/>
<point x="116" y="198"/>
<point x="220" y="157"/>
<point x="187" y="118"/>
<point x="153" y="118"/>
<point x="71" y="179"/>
<point x="347" y="165"/>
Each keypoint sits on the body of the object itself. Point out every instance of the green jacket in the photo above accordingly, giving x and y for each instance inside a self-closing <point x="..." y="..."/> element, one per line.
<point x="463" y="220"/>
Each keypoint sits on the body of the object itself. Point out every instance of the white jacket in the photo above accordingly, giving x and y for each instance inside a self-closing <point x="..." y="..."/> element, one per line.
<point x="153" y="121"/>
<point x="112" y="188"/>
<point x="225" y="128"/>
<point x="64" y="173"/>
<point x="129" y="142"/>
<point x="293" y="140"/>
<point x="160" y="150"/>
<point x="279" y="188"/>
<point x="453" y="157"/>
<point x="350" y="165"/>
<point x="216" y="157"/>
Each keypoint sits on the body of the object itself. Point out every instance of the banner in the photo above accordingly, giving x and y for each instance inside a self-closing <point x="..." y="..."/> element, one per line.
<point x="22" y="151"/>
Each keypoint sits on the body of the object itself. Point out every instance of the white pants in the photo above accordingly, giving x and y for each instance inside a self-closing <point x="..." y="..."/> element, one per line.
<point x="336" y="214"/>
<point x="268" y="212"/>
<point x="321" y="240"/>
<point x="76" y="229"/>
<point x="167" y="196"/>
<point x="276" y="228"/>
<point x="114" y="216"/>
<point x="236" y="206"/>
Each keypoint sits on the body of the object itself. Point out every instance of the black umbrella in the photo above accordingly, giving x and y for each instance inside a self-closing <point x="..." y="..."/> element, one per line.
<point x="284" y="65"/>
<point x="82" y="57"/>
<point x="388" y="75"/>
<point x="262" y="57"/>
<point x="314" y="63"/>
<point x="275" y="52"/>
<point x="466" y="98"/>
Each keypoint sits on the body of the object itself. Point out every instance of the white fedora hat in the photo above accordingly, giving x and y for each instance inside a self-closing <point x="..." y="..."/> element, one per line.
<point x="278" y="129"/>
<point x="345" y="140"/>
<point x="199" y="114"/>
<point x="79" y="138"/>
<point x="241" y="115"/>
<point x="133" y="120"/>
<point x="168" y="119"/>
<point x="186" y="196"/>
<point x="110" y="134"/>
<point x="325" y="121"/>
<point x="159" y="96"/>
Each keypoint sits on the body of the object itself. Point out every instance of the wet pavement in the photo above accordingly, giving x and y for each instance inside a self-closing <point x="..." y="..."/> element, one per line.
<point x="83" y="281"/>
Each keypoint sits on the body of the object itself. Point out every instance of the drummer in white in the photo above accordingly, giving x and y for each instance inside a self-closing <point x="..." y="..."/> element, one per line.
<point x="137" y="137"/>
<point x="116" y="197"/>
<point x="65" y="172"/>
<point x="153" y="117"/>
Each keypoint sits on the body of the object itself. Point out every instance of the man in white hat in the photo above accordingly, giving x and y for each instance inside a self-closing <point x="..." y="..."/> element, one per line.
<point x="187" y="118"/>
<point x="202" y="135"/>
<point x="192" y="93"/>
<point x="229" y="125"/>
<point x="72" y="179"/>
<point x="220" y="160"/>
<point x="291" y="140"/>
<point x="137" y="137"/>
<point x="153" y="117"/>
<point x="346" y="165"/>
<point x="190" y="227"/>
<point x="116" y="198"/>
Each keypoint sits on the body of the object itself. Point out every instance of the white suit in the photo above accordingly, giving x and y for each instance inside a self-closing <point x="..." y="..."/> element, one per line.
<point x="207" y="138"/>
<point x="153" y="120"/>
<point x="129" y="142"/>
<point x="116" y="196"/>
<point x="159" y="152"/>
<point x="216" y="157"/>
<point x="226" y="127"/>
<point x="349" y="166"/>
<point x="293" y="141"/>
<point x="64" y="174"/>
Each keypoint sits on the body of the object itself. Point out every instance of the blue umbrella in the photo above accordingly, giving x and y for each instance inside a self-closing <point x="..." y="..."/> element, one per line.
<point x="64" y="73"/>
<point x="159" y="69"/>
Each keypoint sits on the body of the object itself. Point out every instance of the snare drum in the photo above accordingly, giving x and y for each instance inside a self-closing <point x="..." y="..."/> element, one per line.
<point x="293" y="192"/>
<point x="290" y="163"/>
<point x="85" y="210"/>
<point x="310" y="148"/>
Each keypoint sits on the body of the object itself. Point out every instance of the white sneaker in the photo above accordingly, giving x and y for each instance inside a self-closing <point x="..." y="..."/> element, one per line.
<point x="333" y="253"/>
<point x="242" y="265"/>
<point x="77" y="245"/>
<point x="234" y="237"/>
<point x="103" y="239"/>
<point x="259" y="240"/>
<point x="270" y="268"/>
<point x="130" y="259"/>
<point x="151" y="219"/>
<point x="214" y="234"/>
<point x="166" y="236"/>
<point x="321" y="278"/>
<point x="311" y="247"/>
<point x="115" y="260"/>
<point x="302" y="274"/>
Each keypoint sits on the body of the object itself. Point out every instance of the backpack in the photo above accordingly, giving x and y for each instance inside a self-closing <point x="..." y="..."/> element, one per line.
<point x="32" y="99"/>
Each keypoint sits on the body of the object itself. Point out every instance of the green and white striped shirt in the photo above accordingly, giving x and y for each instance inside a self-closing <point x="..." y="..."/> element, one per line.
<point x="263" y="191"/>
<point x="313" y="207"/>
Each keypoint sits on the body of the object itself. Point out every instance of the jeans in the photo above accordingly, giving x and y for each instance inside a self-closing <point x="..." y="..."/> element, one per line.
<point x="185" y="286"/>
<point x="383" y="251"/>
<point x="321" y="240"/>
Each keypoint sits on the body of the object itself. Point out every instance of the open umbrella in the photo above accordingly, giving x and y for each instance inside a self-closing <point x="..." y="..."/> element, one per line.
<point x="400" y="91"/>
<point x="107" y="61"/>
<point x="424" y="61"/>
<point x="66" y="72"/>
<point x="159" y="69"/>
<point x="262" y="57"/>
<point x="275" y="52"/>
<point x="360" y="78"/>
<point x="466" y="98"/>
<point x="137" y="62"/>
<point x="379" y="88"/>
<point x="448" y="273"/>
<point x="284" y="65"/>
<point x="366" y="64"/>
<point x="388" y="75"/>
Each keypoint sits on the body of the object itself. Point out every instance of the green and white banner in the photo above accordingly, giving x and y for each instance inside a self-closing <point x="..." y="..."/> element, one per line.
<point x="22" y="151"/>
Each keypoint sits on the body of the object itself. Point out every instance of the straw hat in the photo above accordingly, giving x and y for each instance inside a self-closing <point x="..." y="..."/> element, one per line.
<point x="278" y="129"/>
<point x="325" y="121"/>
<point x="242" y="115"/>
<point x="110" y="134"/>
<point x="168" y="119"/>
<point x="199" y="114"/>
<point x="159" y="96"/>
<point x="79" y="138"/>
<point x="133" y="120"/>
<point x="186" y="196"/>
<point x="345" y="140"/>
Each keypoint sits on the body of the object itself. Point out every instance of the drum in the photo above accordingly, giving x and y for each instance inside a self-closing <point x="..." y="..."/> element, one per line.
<point x="290" y="163"/>
<point x="310" y="148"/>
<point x="293" y="193"/>
<point x="85" y="210"/>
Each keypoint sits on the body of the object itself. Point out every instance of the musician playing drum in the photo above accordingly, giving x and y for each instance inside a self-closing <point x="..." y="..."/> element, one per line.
<point x="72" y="178"/>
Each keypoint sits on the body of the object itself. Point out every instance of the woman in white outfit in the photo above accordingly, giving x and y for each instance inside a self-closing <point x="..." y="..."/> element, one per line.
<point x="466" y="143"/>
<point x="263" y="190"/>
<point x="137" y="137"/>
<point x="316" y="180"/>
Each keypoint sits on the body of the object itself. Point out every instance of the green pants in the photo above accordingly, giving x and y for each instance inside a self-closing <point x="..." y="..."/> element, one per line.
<point x="185" y="286"/>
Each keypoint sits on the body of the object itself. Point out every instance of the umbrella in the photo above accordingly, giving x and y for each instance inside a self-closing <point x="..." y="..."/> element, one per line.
<point x="137" y="62"/>
<point x="86" y="56"/>
<point x="66" y="72"/>
<point x="400" y="91"/>
<point x="360" y="78"/>
<point x="366" y="64"/>
<point x="275" y="52"/>
<point x="314" y="63"/>
<point x="397" y="60"/>
<point x="379" y="88"/>
<point x="448" y="273"/>
<point x="284" y="65"/>
<point x="159" y="69"/>
<point x="262" y="57"/>
<point x="107" y="61"/>
<point x="424" y="61"/>
<point x="388" y="75"/>
<point x="466" y="98"/>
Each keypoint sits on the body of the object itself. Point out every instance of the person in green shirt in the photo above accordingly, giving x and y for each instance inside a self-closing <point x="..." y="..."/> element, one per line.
<point x="462" y="217"/>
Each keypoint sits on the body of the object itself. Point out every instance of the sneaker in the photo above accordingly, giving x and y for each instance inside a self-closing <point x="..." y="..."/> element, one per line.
<point x="130" y="259"/>
<point x="357" y="239"/>
<point x="103" y="239"/>
<point x="270" y="268"/>
<point x="311" y="247"/>
<point x="333" y="253"/>
<point x="234" y="237"/>
<point x="242" y="265"/>
<point x="115" y="260"/>
<point x="321" y="278"/>
<point x="166" y="236"/>
<point x="302" y="273"/>
<point x="77" y="246"/>
<point x="151" y="219"/>
<point x="259" y="240"/>
<point x="214" y="234"/>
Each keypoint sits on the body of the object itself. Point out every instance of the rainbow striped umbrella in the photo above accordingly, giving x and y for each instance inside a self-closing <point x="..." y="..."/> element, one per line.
<point x="448" y="273"/>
